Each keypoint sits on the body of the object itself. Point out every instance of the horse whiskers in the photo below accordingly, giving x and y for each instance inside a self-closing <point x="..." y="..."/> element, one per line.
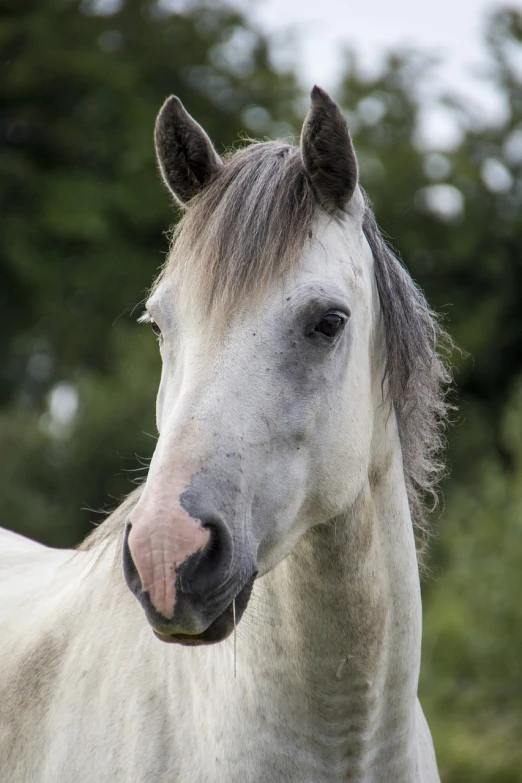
<point x="250" y="637"/>
<point x="263" y="605"/>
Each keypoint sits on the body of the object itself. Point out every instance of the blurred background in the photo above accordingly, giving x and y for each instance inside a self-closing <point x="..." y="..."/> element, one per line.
<point x="434" y="101"/>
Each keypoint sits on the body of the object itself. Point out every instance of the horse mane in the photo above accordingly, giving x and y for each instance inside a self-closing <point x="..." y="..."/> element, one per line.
<point x="246" y="228"/>
<point x="418" y="375"/>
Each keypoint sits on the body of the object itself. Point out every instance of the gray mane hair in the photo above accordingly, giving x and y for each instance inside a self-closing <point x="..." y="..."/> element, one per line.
<point x="418" y="376"/>
<point x="246" y="228"/>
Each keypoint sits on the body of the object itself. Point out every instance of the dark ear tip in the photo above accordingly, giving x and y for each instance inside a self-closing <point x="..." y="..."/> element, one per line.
<point x="171" y="107"/>
<point x="320" y="97"/>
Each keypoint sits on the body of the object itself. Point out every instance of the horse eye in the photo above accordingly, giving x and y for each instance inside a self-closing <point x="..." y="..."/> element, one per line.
<point x="146" y="318"/>
<point x="330" y="325"/>
<point x="155" y="327"/>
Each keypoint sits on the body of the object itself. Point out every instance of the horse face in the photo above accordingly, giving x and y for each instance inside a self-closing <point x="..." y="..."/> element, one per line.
<point x="265" y="428"/>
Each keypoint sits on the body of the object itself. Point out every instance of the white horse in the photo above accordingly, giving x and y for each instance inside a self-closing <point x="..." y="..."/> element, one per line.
<point x="299" y="412"/>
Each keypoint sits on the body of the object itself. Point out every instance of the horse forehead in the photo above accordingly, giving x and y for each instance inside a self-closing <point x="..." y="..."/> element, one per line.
<point x="338" y="247"/>
<point x="336" y="253"/>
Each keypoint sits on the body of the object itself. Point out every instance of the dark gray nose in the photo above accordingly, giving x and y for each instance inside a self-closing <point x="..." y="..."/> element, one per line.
<point x="207" y="571"/>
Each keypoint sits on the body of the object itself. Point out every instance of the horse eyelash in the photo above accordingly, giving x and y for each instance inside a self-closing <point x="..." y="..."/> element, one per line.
<point x="145" y="318"/>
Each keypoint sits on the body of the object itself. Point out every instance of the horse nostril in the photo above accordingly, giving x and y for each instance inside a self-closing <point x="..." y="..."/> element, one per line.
<point x="130" y="572"/>
<point x="211" y="567"/>
<point x="221" y="544"/>
<point x="214" y="549"/>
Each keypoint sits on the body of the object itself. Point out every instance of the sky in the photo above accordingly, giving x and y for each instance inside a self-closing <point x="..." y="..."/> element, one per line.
<point x="451" y="29"/>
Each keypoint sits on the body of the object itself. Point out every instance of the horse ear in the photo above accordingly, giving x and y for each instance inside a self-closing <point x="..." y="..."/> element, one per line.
<point x="186" y="157"/>
<point x="327" y="152"/>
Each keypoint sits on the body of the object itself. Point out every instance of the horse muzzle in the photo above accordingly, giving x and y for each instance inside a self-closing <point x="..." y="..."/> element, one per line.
<point x="198" y="598"/>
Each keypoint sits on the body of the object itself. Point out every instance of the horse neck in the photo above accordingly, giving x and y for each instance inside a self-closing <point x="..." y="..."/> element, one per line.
<point x="345" y="630"/>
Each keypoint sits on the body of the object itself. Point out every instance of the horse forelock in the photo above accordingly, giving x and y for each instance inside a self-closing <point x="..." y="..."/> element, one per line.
<point x="243" y="231"/>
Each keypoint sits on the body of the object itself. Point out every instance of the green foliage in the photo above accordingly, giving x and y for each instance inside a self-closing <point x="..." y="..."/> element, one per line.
<point x="472" y="668"/>
<point x="82" y="236"/>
